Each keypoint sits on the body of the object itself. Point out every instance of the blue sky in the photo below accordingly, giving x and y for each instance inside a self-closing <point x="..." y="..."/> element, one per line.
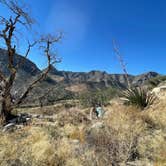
<point x="89" y="26"/>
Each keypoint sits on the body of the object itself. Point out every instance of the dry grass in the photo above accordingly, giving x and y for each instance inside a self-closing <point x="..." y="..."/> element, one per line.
<point x="29" y="146"/>
<point x="153" y="143"/>
<point x="123" y="135"/>
<point x="117" y="139"/>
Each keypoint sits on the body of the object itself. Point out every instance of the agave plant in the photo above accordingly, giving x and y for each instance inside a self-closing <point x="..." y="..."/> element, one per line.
<point x="138" y="97"/>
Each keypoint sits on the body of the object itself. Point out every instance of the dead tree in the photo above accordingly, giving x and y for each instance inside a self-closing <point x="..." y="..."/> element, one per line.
<point x="122" y="63"/>
<point x="20" y="17"/>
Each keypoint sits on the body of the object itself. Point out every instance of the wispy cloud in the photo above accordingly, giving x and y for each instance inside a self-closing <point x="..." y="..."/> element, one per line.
<point x="71" y="20"/>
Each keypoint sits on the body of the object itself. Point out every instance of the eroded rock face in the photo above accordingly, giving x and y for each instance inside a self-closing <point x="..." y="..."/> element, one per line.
<point x="143" y="78"/>
<point x="160" y="91"/>
<point x="26" y="68"/>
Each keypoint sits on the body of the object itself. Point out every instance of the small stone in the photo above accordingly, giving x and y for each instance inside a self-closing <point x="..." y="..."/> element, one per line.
<point x="8" y="127"/>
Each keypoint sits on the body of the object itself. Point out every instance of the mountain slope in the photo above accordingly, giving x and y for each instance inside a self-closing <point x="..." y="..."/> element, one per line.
<point x="99" y="79"/>
<point x="65" y="80"/>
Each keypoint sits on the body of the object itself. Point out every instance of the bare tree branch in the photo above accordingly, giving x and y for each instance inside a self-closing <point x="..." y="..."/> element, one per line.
<point x="8" y="27"/>
<point x="17" y="9"/>
<point x="7" y="34"/>
<point x="48" y="42"/>
<point x="22" y="60"/>
<point x="121" y="61"/>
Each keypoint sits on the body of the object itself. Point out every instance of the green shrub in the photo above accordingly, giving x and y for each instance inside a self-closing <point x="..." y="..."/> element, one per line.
<point x="99" y="97"/>
<point x="156" y="80"/>
<point x="138" y="97"/>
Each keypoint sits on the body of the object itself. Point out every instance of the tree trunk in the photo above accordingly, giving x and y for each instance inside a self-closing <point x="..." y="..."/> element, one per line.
<point x="5" y="110"/>
<point x="1" y="114"/>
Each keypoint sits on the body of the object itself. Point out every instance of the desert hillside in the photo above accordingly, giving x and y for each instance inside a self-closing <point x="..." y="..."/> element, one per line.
<point x="64" y="135"/>
<point x="61" y="84"/>
<point x="82" y="83"/>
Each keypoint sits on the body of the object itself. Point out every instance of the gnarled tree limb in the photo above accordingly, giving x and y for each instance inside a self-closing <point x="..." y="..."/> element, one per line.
<point x="48" y="41"/>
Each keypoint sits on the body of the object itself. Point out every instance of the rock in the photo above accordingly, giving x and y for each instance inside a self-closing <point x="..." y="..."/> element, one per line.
<point x="139" y="163"/>
<point x="25" y="115"/>
<point x="23" y="118"/>
<point x="75" y="141"/>
<point x="159" y="91"/>
<point x="28" y="119"/>
<point x="9" y="126"/>
<point x="14" y="120"/>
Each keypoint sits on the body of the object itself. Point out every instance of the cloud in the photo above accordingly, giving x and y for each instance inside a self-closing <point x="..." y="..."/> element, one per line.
<point x="70" y="19"/>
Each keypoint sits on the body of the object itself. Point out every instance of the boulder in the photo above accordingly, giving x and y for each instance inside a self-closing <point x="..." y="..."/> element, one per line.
<point x="9" y="126"/>
<point x="159" y="91"/>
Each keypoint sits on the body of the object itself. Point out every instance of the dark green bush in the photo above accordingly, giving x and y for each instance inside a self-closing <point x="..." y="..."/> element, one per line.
<point x="99" y="97"/>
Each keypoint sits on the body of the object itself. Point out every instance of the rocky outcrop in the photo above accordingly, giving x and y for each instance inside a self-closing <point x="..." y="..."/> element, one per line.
<point x="160" y="90"/>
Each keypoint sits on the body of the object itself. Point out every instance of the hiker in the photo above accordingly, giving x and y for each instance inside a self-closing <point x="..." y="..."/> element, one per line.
<point x="99" y="111"/>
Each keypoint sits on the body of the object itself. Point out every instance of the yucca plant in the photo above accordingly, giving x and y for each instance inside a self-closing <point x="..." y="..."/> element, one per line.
<point x="138" y="97"/>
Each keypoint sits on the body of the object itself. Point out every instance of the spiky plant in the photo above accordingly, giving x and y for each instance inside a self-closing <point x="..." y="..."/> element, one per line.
<point x="138" y="97"/>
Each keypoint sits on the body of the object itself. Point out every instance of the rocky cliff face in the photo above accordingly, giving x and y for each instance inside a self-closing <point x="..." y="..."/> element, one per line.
<point x="26" y="68"/>
<point x="99" y="79"/>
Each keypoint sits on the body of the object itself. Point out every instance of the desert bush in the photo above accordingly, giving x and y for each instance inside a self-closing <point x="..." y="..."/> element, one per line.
<point x="157" y="114"/>
<point x="78" y="134"/>
<point x="73" y="116"/>
<point x="156" y="80"/>
<point x="126" y="127"/>
<point x="152" y="146"/>
<point x="29" y="146"/>
<point x="111" y="148"/>
<point x="138" y="97"/>
<point x="146" y="130"/>
<point x="150" y="122"/>
<point x="52" y="132"/>
<point x="99" y="97"/>
<point x="69" y="105"/>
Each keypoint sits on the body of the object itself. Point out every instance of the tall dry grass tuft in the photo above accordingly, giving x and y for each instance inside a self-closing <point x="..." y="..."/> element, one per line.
<point x="29" y="147"/>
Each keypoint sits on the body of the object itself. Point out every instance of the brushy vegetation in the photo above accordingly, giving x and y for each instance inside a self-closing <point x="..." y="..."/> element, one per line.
<point x="66" y="137"/>
<point x="138" y="97"/>
<point x="123" y="136"/>
<point x="100" y="97"/>
<point x="156" y="80"/>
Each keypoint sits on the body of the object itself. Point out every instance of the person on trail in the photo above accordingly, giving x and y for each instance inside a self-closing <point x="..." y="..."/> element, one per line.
<point x="99" y="111"/>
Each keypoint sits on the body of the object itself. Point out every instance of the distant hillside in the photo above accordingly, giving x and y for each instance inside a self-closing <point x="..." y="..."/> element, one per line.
<point x="65" y="80"/>
<point x="98" y="79"/>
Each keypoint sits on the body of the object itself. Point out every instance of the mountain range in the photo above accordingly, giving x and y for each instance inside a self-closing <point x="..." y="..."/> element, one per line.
<point x="66" y="81"/>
